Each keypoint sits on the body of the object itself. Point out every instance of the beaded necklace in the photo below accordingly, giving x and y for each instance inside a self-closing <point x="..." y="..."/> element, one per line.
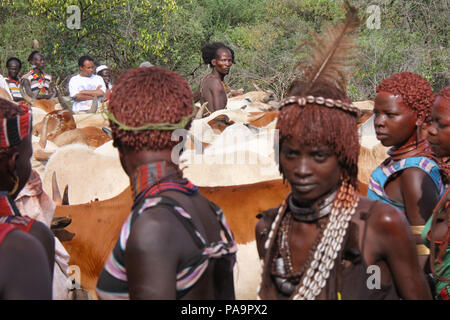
<point x="17" y="82"/>
<point x="315" y="277"/>
<point x="152" y="178"/>
<point x="40" y="77"/>
<point x="314" y="212"/>
<point x="421" y="147"/>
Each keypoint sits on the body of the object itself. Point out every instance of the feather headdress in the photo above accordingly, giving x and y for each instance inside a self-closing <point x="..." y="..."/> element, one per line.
<point x="330" y="56"/>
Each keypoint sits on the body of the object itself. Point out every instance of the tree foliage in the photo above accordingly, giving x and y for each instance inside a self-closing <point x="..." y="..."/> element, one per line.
<point x="264" y="34"/>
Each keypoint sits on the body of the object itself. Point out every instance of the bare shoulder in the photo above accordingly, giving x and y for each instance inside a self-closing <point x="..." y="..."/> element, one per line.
<point x="22" y="247"/>
<point x="212" y="82"/>
<point x="155" y="223"/>
<point x="411" y="175"/>
<point x="43" y="234"/>
<point x="383" y="218"/>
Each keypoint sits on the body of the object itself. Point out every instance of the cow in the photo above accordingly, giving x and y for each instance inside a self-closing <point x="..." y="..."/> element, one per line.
<point x="90" y="173"/>
<point x="237" y="189"/>
<point x="59" y="126"/>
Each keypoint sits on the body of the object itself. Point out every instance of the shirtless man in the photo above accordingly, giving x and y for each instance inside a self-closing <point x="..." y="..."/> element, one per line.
<point x="212" y="89"/>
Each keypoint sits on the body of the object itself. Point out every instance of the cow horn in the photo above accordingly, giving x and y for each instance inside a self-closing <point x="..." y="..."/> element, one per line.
<point x="44" y="132"/>
<point x="65" y="199"/>
<point x="54" y="91"/>
<point x="107" y="131"/>
<point x="61" y="100"/>
<point x="94" y="105"/>
<point x="256" y="87"/>
<point x="56" y="195"/>
<point x="200" y="111"/>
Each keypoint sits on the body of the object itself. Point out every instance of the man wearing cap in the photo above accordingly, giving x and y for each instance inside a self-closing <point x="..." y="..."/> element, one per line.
<point x="146" y="64"/>
<point x="84" y="87"/>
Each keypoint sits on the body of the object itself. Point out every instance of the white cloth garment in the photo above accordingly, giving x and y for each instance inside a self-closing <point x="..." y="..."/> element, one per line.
<point x="79" y="83"/>
<point x="33" y="202"/>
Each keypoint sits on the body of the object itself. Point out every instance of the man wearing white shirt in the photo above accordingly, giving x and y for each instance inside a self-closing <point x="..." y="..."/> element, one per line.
<point x="5" y="86"/>
<point x="85" y="86"/>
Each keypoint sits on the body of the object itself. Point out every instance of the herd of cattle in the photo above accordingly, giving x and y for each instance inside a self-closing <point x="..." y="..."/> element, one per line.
<point x="229" y="155"/>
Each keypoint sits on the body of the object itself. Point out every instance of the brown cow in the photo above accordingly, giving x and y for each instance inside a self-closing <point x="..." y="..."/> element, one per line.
<point x="54" y="123"/>
<point x="262" y="119"/>
<point x="59" y="127"/>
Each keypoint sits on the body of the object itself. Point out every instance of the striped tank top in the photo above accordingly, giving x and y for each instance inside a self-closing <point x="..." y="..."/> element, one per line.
<point x="112" y="283"/>
<point x="14" y="88"/>
<point x="382" y="174"/>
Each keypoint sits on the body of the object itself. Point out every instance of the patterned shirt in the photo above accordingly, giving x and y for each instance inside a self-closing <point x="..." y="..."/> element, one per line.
<point x="14" y="88"/>
<point x="40" y="82"/>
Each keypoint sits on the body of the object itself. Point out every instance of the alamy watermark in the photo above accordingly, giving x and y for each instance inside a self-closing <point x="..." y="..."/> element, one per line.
<point x="73" y="277"/>
<point x="374" y="280"/>
<point x="73" y="22"/>
<point x="374" y="19"/>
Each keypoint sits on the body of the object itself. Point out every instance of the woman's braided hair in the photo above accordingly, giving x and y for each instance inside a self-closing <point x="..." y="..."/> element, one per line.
<point x="416" y="92"/>
<point x="148" y="95"/>
<point x="315" y="124"/>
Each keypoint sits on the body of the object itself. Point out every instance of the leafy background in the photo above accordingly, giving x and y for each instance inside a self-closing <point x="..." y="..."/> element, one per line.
<point x="264" y="34"/>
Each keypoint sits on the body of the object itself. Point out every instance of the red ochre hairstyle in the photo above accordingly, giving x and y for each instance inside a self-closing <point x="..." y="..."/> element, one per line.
<point x="148" y="95"/>
<point x="416" y="92"/>
<point x="316" y="124"/>
<point x="445" y="93"/>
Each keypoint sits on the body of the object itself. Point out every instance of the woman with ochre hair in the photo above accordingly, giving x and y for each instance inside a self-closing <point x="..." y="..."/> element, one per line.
<point x="26" y="245"/>
<point x="325" y="241"/>
<point x="409" y="178"/>
<point x="175" y="244"/>
<point x="437" y="226"/>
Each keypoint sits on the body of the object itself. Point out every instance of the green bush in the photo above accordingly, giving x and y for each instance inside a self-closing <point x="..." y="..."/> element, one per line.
<point x="264" y="34"/>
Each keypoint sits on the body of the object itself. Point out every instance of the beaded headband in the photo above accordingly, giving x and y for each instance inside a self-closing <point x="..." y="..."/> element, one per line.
<point x="330" y="103"/>
<point x="14" y="130"/>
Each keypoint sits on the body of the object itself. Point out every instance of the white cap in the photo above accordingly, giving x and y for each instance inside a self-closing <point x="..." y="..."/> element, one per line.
<point x="100" y="68"/>
<point x="145" y="64"/>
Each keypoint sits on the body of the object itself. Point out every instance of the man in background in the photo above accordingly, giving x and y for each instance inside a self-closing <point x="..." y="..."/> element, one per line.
<point x="86" y="86"/>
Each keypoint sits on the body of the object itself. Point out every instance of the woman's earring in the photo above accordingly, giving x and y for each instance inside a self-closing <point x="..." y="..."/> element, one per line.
<point x="16" y="186"/>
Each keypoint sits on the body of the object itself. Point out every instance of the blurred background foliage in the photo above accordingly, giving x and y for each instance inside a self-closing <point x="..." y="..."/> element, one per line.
<point x="413" y="36"/>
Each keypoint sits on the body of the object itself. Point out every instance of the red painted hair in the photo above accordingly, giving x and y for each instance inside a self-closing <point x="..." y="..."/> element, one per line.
<point x="315" y="124"/>
<point x="416" y="92"/>
<point x="149" y="95"/>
